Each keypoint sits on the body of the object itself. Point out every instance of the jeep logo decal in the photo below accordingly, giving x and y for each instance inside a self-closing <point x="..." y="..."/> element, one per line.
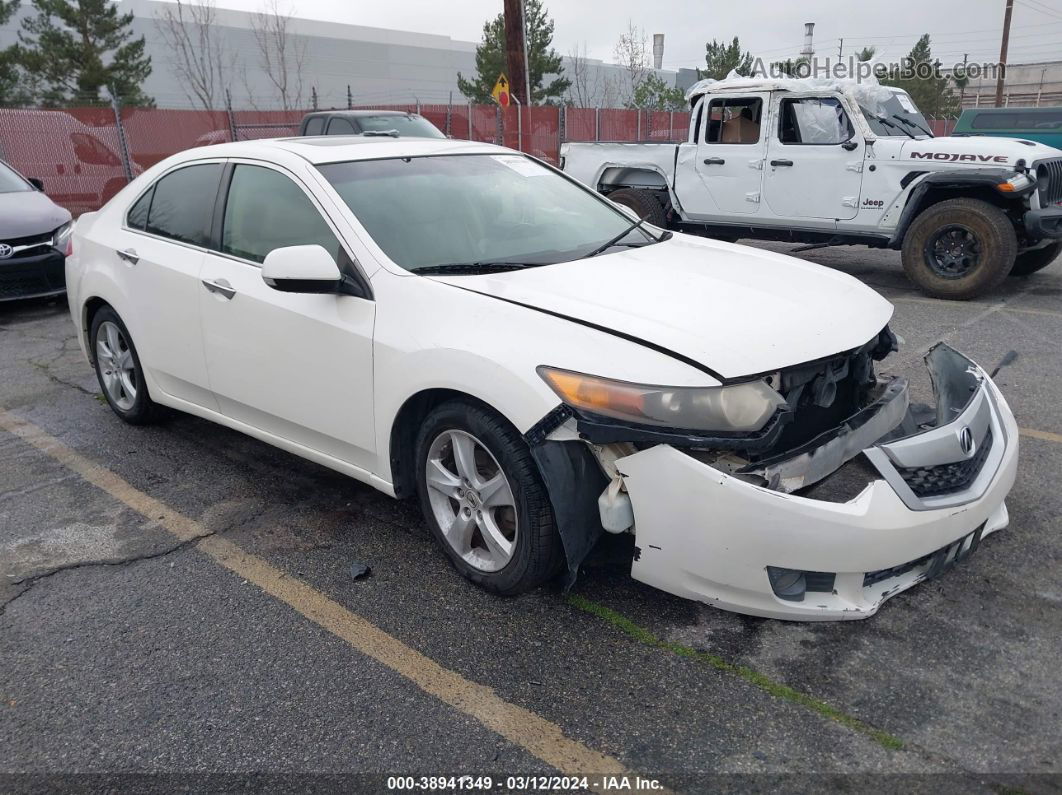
<point x="873" y="203"/>
<point x="954" y="156"/>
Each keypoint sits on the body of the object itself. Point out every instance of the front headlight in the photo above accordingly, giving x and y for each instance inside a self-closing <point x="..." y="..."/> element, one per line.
<point x="61" y="237"/>
<point x="729" y="409"/>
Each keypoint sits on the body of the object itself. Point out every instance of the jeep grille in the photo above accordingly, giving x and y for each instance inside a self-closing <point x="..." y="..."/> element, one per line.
<point x="1053" y="193"/>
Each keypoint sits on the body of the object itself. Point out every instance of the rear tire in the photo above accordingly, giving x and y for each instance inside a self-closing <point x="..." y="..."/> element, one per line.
<point x="644" y="203"/>
<point x="119" y="371"/>
<point x="960" y="249"/>
<point x="1033" y="261"/>
<point x="502" y="539"/>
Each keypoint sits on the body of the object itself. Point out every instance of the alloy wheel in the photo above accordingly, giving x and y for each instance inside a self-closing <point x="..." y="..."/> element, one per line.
<point x="471" y="500"/>
<point x="116" y="365"/>
<point x="953" y="251"/>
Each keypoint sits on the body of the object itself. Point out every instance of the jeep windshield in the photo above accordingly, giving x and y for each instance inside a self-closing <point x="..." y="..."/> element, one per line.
<point x="464" y="214"/>
<point x="897" y="115"/>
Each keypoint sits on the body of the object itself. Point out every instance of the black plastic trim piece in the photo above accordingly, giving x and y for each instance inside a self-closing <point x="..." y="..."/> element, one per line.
<point x="538" y="432"/>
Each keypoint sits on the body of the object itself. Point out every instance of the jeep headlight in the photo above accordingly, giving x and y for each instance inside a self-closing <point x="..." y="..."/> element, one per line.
<point x="729" y="409"/>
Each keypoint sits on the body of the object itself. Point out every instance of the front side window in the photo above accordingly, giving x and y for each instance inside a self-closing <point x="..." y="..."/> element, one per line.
<point x="11" y="182"/>
<point x="183" y="204"/>
<point x="452" y="211"/>
<point x="814" y="120"/>
<point x="266" y="210"/>
<point x="734" y="121"/>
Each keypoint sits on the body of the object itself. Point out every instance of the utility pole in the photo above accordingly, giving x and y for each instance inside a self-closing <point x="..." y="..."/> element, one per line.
<point x="515" y="49"/>
<point x="840" y="49"/>
<point x="1003" y="53"/>
<point x="965" y="80"/>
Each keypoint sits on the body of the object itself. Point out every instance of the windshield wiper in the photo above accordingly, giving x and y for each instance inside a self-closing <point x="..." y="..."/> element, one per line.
<point x="471" y="268"/>
<point x="636" y="225"/>
<point x="910" y="123"/>
<point x="370" y="133"/>
<point x="888" y="123"/>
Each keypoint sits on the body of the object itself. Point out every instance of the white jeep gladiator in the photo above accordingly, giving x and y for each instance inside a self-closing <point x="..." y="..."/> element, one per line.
<point x="839" y="163"/>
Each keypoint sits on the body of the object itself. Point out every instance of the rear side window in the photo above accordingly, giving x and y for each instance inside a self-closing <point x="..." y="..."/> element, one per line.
<point x="734" y="121"/>
<point x="340" y="126"/>
<point x="315" y="126"/>
<point x="1017" y="120"/>
<point x="138" y="213"/>
<point x="814" y="120"/>
<point x="266" y="210"/>
<point x="183" y="204"/>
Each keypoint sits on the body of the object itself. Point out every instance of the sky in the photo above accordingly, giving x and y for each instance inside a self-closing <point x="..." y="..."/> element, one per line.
<point x="773" y="30"/>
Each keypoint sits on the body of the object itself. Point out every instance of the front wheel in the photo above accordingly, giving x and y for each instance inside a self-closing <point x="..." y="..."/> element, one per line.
<point x="483" y="499"/>
<point x="1033" y="261"/>
<point x="960" y="249"/>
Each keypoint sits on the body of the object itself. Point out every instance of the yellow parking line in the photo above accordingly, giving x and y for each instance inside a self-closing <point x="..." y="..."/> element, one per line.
<point x="519" y="726"/>
<point x="1046" y="436"/>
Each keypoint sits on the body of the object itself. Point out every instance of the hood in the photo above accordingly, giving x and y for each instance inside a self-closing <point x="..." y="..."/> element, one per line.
<point x="979" y="150"/>
<point x="736" y="310"/>
<point x="26" y="213"/>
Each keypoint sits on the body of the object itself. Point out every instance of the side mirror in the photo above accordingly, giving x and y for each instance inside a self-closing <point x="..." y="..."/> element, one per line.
<point x="850" y="145"/>
<point x="306" y="269"/>
<point x="36" y="182"/>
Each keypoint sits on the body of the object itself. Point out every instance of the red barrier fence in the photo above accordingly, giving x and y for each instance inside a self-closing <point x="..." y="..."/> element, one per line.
<point x="85" y="155"/>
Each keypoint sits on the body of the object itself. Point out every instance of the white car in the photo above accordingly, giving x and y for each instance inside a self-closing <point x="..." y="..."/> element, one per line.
<point x="460" y="322"/>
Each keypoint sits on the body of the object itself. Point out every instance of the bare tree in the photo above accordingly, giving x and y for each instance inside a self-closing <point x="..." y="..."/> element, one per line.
<point x="189" y="31"/>
<point x="585" y="88"/>
<point x="281" y="53"/>
<point x="632" y="53"/>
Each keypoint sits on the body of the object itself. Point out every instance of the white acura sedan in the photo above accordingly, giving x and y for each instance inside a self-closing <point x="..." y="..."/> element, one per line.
<point x="462" y="323"/>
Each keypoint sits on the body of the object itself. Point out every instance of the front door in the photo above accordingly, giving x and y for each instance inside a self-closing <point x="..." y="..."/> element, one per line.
<point x="814" y="166"/>
<point x="720" y="174"/>
<point x="298" y="366"/>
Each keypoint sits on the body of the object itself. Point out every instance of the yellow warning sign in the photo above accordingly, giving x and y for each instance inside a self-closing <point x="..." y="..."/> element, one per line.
<point x="501" y="91"/>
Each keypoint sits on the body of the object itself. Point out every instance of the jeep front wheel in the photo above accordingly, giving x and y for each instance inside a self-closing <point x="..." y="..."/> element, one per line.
<point x="960" y="249"/>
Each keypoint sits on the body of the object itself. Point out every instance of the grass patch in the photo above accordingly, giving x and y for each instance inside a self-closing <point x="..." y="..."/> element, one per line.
<point x="753" y="677"/>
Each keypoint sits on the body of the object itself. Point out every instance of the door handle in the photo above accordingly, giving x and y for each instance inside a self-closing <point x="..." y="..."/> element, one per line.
<point x="129" y="255"/>
<point x="714" y="161"/>
<point x="220" y="287"/>
<point x="781" y="162"/>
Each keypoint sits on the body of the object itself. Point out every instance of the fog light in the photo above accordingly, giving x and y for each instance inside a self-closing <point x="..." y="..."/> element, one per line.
<point x="788" y="584"/>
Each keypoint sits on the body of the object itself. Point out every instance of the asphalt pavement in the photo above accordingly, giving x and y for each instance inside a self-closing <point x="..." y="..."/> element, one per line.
<point x="178" y="599"/>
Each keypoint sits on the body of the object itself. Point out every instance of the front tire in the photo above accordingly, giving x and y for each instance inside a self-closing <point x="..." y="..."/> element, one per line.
<point x="119" y="371"/>
<point x="1033" y="261"/>
<point x="960" y="249"/>
<point x="483" y="499"/>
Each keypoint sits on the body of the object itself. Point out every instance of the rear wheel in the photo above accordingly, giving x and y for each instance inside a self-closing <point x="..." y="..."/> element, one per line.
<point x="960" y="249"/>
<point x="644" y="203"/>
<point x="483" y="499"/>
<point x="1032" y="261"/>
<point x="119" y="371"/>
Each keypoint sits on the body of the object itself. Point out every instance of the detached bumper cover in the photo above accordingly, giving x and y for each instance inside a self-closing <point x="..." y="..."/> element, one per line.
<point x="709" y="536"/>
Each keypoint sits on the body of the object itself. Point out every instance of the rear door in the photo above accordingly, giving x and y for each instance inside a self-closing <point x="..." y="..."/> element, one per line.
<point x="160" y="251"/>
<point x="814" y="167"/>
<point x="720" y="174"/>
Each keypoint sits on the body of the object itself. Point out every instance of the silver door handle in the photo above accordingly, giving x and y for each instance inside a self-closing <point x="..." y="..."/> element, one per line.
<point x="129" y="255"/>
<point x="220" y="287"/>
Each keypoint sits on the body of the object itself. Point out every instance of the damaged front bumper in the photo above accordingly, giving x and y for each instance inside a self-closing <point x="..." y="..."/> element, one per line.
<point x="748" y="544"/>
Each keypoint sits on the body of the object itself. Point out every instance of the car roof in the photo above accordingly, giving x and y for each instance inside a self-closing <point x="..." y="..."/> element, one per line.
<point x="362" y="113"/>
<point x="337" y="148"/>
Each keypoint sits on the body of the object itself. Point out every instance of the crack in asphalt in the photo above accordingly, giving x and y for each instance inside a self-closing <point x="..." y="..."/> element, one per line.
<point x="32" y="580"/>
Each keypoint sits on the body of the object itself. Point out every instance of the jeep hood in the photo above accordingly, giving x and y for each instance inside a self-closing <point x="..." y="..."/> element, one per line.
<point x="980" y="150"/>
<point x="736" y="310"/>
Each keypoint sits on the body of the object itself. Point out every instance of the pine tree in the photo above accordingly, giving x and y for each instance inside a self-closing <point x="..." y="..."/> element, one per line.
<point x="542" y="60"/>
<point x="933" y="93"/>
<point x="721" y="59"/>
<point x="79" y="49"/>
<point x="654" y="94"/>
<point x="9" y="77"/>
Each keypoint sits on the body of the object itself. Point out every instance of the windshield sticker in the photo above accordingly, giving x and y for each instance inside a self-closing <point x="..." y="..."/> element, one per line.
<point x="905" y="102"/>
<point x="521" y="165"/>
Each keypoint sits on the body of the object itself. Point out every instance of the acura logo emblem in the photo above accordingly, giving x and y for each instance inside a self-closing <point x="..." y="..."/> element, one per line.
<point x="6" y="251"/>
<point x="966" y="441"/>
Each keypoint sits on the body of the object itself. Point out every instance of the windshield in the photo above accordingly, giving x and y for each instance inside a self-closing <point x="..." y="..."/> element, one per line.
<point x="409" y="126"/>
<point x="10" y="181"/>
<point x="453" y="210"/>
<point x="900" y="113"/>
